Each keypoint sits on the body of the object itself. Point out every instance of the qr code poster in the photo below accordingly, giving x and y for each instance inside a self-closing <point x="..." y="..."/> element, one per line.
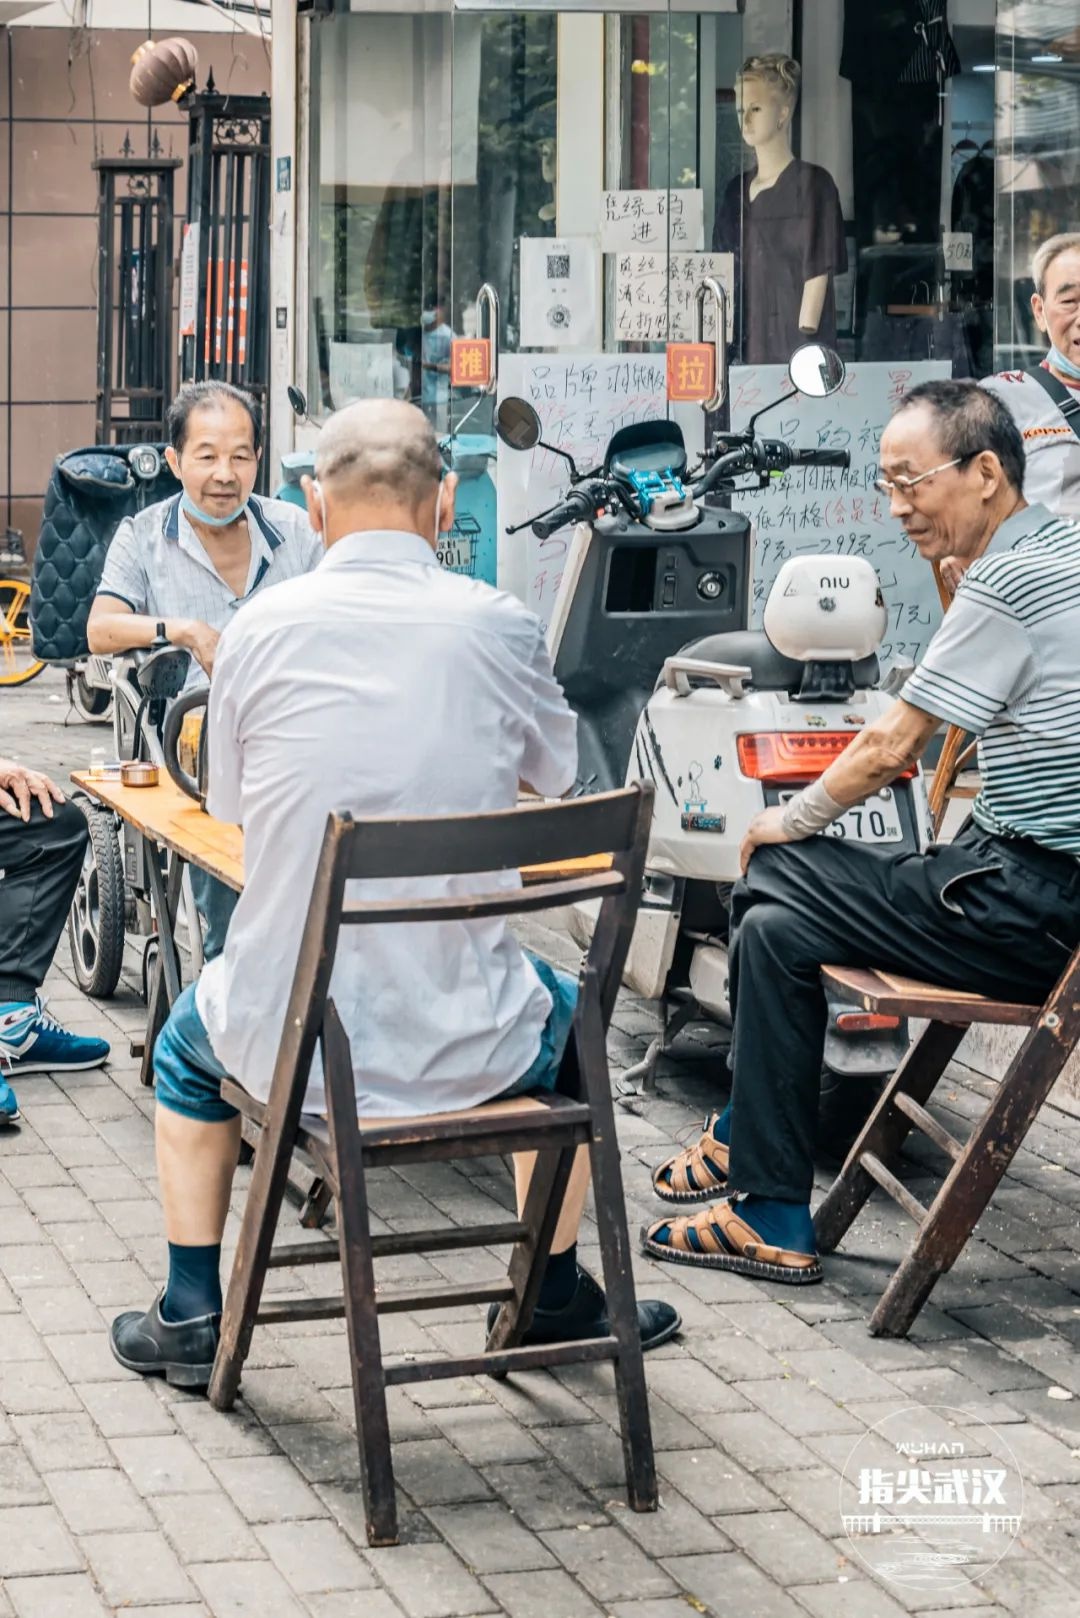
<point x="560" y="292"/>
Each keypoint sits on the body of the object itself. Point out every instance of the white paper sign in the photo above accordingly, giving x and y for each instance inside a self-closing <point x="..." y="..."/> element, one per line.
<point x="814" y="510"/>
<point x="959" y="249"/>
<point x="560" y="292"/>
<point x="656" y="295"/>
<point x="361" y="371"/>
<point x="580" y="401"/>
<point x="189" y="280"/>
<point x="674" y="219"/>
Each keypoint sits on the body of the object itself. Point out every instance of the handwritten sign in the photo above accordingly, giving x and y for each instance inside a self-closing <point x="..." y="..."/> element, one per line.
<point x="581" y="401"/>
<point x="959" y="249"/>
<point x="815" y="510"/>
<point x="361" y="371"/>
<point x="674" y="219"/>
<point x="656" y="293"/>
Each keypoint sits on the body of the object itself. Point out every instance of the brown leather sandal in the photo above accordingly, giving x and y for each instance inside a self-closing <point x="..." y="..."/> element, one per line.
<point x="717" y="1238"/>
<point x="698" y="1172"/>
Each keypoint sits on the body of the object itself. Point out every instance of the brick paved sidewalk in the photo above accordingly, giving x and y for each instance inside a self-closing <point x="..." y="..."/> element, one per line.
<point x="124" y="1497"/>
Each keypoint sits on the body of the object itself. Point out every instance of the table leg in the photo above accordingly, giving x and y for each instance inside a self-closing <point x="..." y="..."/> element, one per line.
<point x="165" y="986"/>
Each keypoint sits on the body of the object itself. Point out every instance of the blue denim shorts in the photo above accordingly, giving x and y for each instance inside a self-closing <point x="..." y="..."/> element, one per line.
<point x="189" y="1075"/>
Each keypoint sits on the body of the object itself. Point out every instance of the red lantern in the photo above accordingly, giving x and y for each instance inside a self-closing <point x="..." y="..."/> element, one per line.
<point x="163" y="70"/>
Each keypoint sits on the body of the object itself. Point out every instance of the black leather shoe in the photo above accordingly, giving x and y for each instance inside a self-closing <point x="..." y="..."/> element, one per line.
<point x="585" y="1315"/>
<point x="181" y="1351"/>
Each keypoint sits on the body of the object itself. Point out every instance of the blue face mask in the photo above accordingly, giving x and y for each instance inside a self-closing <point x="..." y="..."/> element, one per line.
<point x="211" y="522"/>
<point x="1060" y="363"/>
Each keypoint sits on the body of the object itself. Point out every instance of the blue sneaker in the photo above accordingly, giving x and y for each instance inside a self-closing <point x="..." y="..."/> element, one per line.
<point x="33" y="1042"/>
<point x="9" y="1107"/>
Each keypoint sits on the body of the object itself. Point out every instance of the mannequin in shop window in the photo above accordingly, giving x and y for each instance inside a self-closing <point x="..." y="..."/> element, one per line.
<point x="783" y="222"/>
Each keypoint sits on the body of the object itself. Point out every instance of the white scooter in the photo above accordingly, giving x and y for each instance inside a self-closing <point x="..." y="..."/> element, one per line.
<point x="649" y="641"/>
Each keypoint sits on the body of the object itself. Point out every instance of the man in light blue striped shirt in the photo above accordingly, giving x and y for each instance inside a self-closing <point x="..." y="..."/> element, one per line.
<point x="996" y="911"/>
<point x="181" y="569"/>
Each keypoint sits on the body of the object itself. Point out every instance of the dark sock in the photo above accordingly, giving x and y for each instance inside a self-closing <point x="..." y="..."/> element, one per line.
<point x="194" y="1286"/>
<point x="781" y="1224"/>
<point x="560" y="1280"/>
<point x="16" y="992"/>
<point x="721" y="1129"/>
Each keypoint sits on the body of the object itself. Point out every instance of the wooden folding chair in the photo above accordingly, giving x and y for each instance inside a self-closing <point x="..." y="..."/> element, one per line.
<point x="977" y="1163"/>
<point x="552" y="1125"/>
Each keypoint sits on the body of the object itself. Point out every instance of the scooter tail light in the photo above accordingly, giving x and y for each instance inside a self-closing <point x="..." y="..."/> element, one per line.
<point x="865" y="1022"/>
<point x="794" y="755"/>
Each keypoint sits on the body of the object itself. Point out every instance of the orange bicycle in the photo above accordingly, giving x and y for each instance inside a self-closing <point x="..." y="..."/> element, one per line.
<point x="17" y="661"/>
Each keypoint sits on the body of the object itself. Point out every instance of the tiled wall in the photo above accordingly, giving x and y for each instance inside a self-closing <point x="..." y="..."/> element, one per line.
<point x="64" y="99"/>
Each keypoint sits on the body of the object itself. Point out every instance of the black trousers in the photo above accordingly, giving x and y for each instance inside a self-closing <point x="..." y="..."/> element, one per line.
<point x="40" y="860"/>
<point x="993" y="915"/>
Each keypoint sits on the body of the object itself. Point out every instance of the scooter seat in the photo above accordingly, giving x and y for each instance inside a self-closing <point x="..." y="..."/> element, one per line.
<point x="769" y="669"/>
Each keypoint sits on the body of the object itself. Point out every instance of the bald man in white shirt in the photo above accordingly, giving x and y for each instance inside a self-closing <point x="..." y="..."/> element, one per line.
<point x="382" y="685"/>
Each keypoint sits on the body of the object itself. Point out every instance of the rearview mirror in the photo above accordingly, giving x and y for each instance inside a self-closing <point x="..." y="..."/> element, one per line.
<point x="816" y="371"/>
<point x="298" y="400"/>
<point x="517" y="424"/>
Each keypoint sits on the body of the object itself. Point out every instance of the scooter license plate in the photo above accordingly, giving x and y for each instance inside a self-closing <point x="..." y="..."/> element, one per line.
<point x="875" y="821"/>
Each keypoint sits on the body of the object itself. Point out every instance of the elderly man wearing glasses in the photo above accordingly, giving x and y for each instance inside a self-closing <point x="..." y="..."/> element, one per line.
<point x="996" y="911"/>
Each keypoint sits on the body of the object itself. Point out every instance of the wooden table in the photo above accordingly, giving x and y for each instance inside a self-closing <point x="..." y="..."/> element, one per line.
<point x="170" y="820"/>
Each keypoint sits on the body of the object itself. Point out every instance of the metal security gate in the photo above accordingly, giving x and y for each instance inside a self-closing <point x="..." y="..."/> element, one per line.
<point x="135" y="282"/>
<point x="225" y="262"/>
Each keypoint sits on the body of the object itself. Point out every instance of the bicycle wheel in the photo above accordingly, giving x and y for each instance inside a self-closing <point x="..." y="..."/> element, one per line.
<point x="17" y="661"/>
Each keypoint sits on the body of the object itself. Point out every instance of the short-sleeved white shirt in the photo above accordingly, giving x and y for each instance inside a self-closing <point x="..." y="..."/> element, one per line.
<point x="382" y="685"/>
<point x="157" y="564"/>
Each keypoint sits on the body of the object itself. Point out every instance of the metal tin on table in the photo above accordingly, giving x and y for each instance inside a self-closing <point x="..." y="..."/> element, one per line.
<point x="138" y="773"/>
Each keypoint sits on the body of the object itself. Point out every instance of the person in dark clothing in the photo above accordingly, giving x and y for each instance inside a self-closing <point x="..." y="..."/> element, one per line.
<point x="783" y="222"/>
<point x="43" y="839"/>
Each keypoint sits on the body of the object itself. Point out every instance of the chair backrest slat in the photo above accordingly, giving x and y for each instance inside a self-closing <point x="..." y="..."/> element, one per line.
<point x="452" y="845"/>
<point x="472" y="907"/>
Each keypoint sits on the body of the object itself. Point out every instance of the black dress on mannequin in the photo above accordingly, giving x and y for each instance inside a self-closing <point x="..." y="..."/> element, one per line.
<point x="792" y="231"/>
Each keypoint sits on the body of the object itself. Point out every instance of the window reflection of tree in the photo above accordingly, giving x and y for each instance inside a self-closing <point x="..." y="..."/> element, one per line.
<point x="410" y="250"/>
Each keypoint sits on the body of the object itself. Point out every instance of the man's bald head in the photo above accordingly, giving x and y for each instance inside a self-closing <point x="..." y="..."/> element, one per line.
<point x="378" y="466"/>
<point x="381" y="448"/>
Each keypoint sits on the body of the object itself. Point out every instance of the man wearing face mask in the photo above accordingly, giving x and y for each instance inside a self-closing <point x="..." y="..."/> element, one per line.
<point x="180" y="570"/>
<point x="1045" y="400"/>
<point x="435" y="366"/>
<point x="410" y="691"/>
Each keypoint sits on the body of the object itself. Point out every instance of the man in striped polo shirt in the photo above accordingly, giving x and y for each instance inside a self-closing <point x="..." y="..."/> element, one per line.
<point x="996" y="911"/>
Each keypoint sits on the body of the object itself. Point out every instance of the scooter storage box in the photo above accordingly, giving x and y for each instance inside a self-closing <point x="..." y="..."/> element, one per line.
<point x="90" y="492"/>
<point x="640" y="596"/>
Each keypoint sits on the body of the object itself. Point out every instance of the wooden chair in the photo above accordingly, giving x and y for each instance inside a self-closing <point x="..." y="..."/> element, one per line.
<point x="978" y="1163"/>
<point x="343" y="1149"/>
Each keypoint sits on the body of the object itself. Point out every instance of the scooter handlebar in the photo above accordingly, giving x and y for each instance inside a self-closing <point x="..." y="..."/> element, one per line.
<point x="574" y="508"/>
<point x="821" y="457"/>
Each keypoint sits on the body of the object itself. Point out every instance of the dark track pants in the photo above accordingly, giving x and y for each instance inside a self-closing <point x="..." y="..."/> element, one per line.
<point x="40" y="861"/>
<point x="996" y="916"/>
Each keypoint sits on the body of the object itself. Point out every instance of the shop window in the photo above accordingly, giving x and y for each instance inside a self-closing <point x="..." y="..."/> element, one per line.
<point x="1037" y="81"/>
<point x="432" y="151"/>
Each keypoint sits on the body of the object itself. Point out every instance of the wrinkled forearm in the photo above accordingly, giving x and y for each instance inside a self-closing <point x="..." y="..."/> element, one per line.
<point x="122" y="631"/>
<point x="879" y="754"/>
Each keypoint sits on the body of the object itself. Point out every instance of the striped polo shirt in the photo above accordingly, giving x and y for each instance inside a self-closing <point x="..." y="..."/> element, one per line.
<point x="1005" y="665"/>
<point x="158" y="565"/>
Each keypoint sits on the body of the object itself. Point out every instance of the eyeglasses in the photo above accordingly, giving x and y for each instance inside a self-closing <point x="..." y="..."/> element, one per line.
<point x="901" y="485"/>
